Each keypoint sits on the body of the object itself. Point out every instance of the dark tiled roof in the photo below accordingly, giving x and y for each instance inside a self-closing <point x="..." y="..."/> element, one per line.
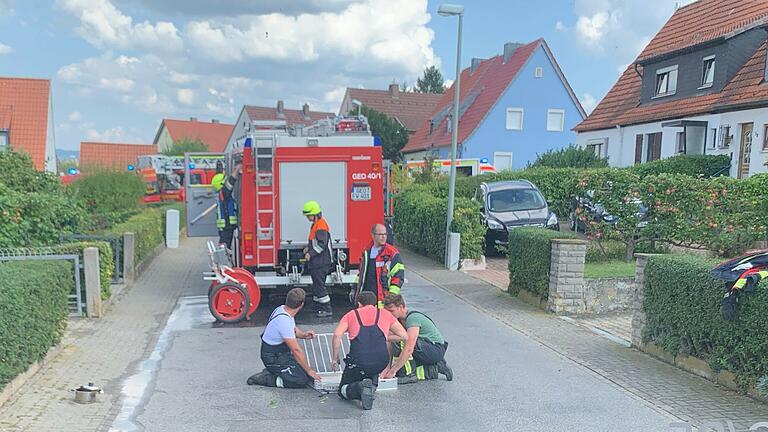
<point x="410" y="109"/>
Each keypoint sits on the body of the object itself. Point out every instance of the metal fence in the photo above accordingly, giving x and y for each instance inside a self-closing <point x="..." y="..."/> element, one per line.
<point x="116" y="241"/>
<point x="75" y="303"/>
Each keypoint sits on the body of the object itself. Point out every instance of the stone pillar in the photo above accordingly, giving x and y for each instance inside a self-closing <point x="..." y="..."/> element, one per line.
<point x="129" y="256"/>
<point x="566" y="277"/>
<point x="638" y="298"/>
<point x="92" y="282"/>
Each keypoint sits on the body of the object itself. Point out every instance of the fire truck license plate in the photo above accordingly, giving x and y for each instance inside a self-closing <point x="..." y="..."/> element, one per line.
<point x="361" y="193"/>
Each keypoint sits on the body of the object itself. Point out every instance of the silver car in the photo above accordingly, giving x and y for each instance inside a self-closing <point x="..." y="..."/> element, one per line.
<point x="506" y="205"/>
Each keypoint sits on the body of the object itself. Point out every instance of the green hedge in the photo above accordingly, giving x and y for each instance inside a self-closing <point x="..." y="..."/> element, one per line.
<point x="106" y="261"/>
<point x="110" y="197"/>
<point x="420" y="223"/>
<point x="33" y="312"/>
<point x="690" y="165"/>
<point x="149" y="228"/>
<point x="530" y="255"/>
<point x="682" y="306"/>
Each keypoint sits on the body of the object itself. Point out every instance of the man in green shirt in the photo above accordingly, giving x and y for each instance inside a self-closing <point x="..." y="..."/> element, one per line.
<point x="422" y="355"/>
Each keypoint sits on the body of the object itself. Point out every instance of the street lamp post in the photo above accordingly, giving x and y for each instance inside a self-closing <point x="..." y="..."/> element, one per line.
<point x="453" y="10"/>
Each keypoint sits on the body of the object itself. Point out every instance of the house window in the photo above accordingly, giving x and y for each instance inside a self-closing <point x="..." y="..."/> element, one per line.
<point x="514" y="118"/>
<point x="598" y="147"/>
<point x="653" y="151"/>
<point x="3" y="140"/>
<point x="681" y="142"/>
<point x="708" y="72"/>
<point x="725" y="137"/>
<point x="666" y="81"/>
<point x="765" y="140"/>
<point x="555" y="120"/>
<point x="712" y="138"/>
<point x="539" y="72"/>
<point x="638" y="148"/>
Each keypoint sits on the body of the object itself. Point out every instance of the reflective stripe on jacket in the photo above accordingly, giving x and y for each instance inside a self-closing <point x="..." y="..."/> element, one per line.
<point x="390" y="271"/>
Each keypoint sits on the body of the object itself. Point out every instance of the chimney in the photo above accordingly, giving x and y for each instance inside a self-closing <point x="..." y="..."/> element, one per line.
<point x="394" y="90"/>
<point x="214" y="121"/>
<point x="509" y="49"/>
<point x="475" y="64"/>
<point x="280" y="109"/>
<point x="305" y="111"/>
<point x="193" y="119"/>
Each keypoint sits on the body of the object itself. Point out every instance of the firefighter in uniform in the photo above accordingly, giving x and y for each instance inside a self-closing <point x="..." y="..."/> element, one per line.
<point x="226" y="208"/>
<point x="368" y="356"/>
<point x="422" y="355"/>
<point x="285" y="364"/>
<point x="318" y="257"/>
<point x="382" y="270"/>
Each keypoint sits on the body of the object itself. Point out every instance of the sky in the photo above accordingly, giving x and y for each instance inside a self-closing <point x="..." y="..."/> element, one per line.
<point x="118" y="67"/>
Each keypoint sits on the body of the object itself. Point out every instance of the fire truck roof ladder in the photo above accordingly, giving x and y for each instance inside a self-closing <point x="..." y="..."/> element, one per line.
<point x="264" y="157"/>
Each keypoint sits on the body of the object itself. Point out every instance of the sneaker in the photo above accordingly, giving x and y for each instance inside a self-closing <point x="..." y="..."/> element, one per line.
<point x="262" y="378"/>
<point x="366" y="395"/>
<point x="322" y="313"/>
<point x="443" y="368"/>
<point x="408" y="379"/>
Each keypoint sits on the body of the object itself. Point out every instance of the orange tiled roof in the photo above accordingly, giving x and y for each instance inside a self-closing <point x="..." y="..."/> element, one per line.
<point x="214" y="135"/>
<point x="113" y="155"/>
<point x="24" y="106"/>
<point x="291" y="117"/>
<point x="690" y="25"/>
<point x="410" y="109"/>
<point x="486" y="84"/>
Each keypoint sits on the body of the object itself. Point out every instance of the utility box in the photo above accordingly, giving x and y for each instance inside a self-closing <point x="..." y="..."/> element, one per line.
<point x="172" y="229"/>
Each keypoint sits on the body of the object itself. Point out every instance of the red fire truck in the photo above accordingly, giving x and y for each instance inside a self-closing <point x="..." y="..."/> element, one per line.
<point x="334" y="162"/>
<point x="164" y="175"/>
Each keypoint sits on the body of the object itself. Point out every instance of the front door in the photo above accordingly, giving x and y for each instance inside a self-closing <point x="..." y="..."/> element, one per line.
<point x="745" y="150"/>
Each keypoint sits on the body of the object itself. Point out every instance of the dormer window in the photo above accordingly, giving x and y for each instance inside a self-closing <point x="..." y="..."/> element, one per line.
<point x="666" y="81"/>
<point x="708" y="72"/>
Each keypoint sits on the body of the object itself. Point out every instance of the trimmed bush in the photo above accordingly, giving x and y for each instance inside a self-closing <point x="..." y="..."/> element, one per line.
<point x="33" y="312"/>
<point x="530" y="256"/>
<point x="690" y="165"/>
<point x="569" y="157"/>
<point x="420" y="223"/>
<point x="110" y="197"/>
<point x="682" y="306"/>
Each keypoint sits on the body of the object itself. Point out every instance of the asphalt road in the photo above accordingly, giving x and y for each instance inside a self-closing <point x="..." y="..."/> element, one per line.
<point x="503" y="382"/>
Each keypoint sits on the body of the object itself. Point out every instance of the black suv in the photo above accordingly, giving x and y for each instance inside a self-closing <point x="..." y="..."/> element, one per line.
<point x="506" y="205"/>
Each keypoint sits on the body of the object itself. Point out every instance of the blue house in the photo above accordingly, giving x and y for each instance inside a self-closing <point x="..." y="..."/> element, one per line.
<point x="512" y="107"/>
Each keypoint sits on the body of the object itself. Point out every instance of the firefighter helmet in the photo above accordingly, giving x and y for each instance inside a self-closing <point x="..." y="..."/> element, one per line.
<point x="311" y="208"/>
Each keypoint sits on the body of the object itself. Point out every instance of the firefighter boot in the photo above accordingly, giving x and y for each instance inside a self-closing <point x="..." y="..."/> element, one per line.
<point x="324" y="310"/>
<point x="366" y="394"/>
<point x="443" y="368"/>
<point x="263" y="378"/>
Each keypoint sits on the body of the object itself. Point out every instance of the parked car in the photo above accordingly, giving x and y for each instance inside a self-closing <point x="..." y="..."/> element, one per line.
<point x="595" y="212"/>
<point x="506" y="205"/>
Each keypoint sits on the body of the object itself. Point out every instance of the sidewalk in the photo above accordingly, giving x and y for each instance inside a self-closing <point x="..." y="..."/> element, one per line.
<point x="662" y="387"/>
<point x="104" y="350"/>
<point x="613" y="325"/>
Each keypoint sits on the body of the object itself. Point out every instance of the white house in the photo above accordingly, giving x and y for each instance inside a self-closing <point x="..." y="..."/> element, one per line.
<point x="690" y="92"/>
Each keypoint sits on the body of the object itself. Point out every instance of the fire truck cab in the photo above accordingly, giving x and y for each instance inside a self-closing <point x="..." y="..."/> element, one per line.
<point x="334" y="162"/>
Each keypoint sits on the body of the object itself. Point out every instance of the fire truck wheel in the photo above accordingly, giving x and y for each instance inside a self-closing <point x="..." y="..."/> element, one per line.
<point x="229" y="303"/>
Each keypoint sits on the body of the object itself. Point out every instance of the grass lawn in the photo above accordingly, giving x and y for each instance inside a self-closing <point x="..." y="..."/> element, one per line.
<point x="608" y="269"/>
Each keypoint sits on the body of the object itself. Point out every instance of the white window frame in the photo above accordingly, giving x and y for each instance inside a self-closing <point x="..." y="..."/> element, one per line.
<point x="671" y="85"/>
<point x="538" y="72"/>
<point x="503" y="155"/>
<point x="5" y="143"/>
<point x="522" y="118"/>
<point x="703" y="71"/>
<point x="562" y="119"/>
<point x="599" y="147"/>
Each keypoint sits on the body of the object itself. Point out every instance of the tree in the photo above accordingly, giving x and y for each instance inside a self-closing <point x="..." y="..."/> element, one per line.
<point x="186" y="145"/>
<point x="569" y="157"/>
<point x="431" y="82"/>
<point x="393" y="135"/>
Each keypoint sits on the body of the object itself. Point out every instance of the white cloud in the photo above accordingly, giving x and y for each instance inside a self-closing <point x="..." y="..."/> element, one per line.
<point x="588" y="102"/>
<point x="103" y="25"/>
<point x="5" y="49"/>
<point x="559" y="26"/>
<point x="74" y="116"/>
<point x="114" y="134"/>
<point x="185" y="96"/>
<point x="591" y="30"/>
<point x="119" y="84"/>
